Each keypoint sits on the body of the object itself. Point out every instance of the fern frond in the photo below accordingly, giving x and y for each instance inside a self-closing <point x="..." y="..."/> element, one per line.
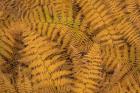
<point x="5" y="84"/>
<point x="23" y="84"/>
<point x="45" y="11"/>
<point x="62" y="11"/>
<point x="95" y="14"/>
<point x="69" y="46"/>
<point x="131" y="35"/>
<point x="6" y="44"/>
<point x="133" y="12"/>
<point x="64" y="36"/>
<point x="116" y="7"/>
<point x="89" y="74"/>
<point x="47" y="66"/>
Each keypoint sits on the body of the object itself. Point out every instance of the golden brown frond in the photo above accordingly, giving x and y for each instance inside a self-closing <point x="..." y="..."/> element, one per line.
<point x="47" y="64"/>
<point x="5" y="84"/>
<point x="88" y="75"/>
<point x="69" y="46"/>
<point x="23" y="82"/>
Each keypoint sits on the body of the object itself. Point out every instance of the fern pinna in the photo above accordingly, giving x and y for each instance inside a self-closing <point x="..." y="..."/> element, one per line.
<point x="69" y="46"/>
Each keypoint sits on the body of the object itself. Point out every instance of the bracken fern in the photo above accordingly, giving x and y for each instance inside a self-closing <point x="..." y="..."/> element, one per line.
<point x="69" y="46"/>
